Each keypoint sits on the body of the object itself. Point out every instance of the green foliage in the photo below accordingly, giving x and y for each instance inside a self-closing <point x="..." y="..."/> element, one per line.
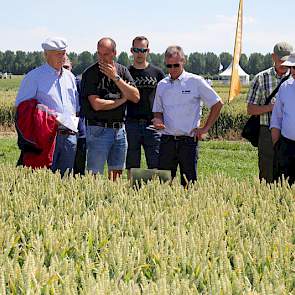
<point x="207" y="63"/>
<point x="123" y="59"/>
<point x="212" y="62"/>
<point x="225" y="59"/>
<point x="196" y="63"/>
<point x="256" y="63"/>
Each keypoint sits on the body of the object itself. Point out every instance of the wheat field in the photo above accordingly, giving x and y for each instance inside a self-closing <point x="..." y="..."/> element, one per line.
<point x="91" y="236"/>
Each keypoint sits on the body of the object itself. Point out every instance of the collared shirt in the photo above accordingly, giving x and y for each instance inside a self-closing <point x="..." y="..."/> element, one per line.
<point x="283" y="114"/>
<point x="180" y="101"/>
<point x="262" y="87"/>
<point x="56" y="90"/>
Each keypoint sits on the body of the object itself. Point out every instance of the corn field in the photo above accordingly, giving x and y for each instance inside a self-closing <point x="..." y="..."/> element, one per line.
<point x="90" y="236"/>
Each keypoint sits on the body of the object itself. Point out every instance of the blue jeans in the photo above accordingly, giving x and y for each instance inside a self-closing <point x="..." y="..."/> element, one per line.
<point x="64" y="153"/>
<point x="137" y="136"/>
<point x="105" y="145"/>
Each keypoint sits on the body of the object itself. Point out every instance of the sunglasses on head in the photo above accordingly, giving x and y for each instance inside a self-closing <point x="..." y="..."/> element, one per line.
<point x="169" y="66"/>
<point x="137" y="50"/>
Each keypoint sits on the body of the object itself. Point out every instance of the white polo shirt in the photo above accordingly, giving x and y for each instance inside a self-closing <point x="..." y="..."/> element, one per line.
<point x="180" y="101"/>
<point x="283" y="113"/>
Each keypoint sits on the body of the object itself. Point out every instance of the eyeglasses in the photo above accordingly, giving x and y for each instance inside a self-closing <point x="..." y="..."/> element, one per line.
<point x="169" y="66"/>
<point x="137" y="50"/>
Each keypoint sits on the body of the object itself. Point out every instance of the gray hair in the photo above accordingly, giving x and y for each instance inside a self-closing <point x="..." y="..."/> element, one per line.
<point x="174" y="50"/>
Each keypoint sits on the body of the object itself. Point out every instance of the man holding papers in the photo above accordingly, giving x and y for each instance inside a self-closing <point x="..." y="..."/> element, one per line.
<point x="177" y="112"/>
<point x="55" y="87"/>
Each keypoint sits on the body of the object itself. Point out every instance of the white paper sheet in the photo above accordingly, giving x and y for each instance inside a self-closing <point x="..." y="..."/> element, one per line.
<point x="69" y="121"/>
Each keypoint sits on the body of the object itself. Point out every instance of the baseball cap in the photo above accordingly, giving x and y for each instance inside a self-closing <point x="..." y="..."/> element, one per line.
<point x="55" y="43"/>
<point x="290" y="61"/>
<point x="283" y="50"/>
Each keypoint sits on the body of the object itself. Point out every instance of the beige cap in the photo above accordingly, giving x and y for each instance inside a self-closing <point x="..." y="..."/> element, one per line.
<point x="283" y="50"/>
<point x="290" y="62"/>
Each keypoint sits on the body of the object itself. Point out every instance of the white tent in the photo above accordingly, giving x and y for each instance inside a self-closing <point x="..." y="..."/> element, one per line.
<point x="225" y="75"/>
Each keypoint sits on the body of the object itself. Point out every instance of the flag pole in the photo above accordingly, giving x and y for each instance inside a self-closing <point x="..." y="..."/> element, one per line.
<point x="235" y="84"/>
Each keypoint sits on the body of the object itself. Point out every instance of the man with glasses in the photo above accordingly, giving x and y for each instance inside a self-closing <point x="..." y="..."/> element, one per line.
<point x="282" y="125"/>
<point x="139" y="115"/>
<point x="262" y="87"/>
<point x="106" y="86"/>
<point x="177" y="113"/>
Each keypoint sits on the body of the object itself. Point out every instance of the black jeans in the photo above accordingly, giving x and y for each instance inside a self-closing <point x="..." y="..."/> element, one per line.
<point x="182" y="151"/>
<point x="80" y="159"/>
<point x="285" y="153"/>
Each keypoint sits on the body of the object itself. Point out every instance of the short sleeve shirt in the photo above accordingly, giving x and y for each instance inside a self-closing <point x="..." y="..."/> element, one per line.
<point x="146" y="81"/>
<point x="94" y="82"/>
<point x="262" y="86"/>
<point x="180" y="101"/>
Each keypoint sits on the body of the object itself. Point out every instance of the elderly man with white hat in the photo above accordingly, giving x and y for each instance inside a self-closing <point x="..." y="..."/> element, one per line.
<point x="283" y="125"/>
<point x="53" y="86"/>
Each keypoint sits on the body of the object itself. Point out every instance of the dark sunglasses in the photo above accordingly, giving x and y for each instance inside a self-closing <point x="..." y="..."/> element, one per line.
<point x="169" y="66"/>
<point x="292" y="68"/>
<point x="66" y="67"/>
<point x="137" y="50"/>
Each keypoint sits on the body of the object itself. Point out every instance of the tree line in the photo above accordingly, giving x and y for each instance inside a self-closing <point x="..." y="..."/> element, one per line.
<point x="206" y="64"/>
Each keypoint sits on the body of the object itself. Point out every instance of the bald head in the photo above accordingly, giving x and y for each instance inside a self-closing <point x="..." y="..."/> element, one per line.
<point x="106" y="50"/>
<point x="107" y="42"/>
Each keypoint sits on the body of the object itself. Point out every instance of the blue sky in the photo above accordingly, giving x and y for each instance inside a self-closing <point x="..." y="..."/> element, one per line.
<point x="196" y="25"/>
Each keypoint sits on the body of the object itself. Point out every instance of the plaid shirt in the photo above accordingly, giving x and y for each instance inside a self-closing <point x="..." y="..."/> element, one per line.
<point x="262" y="86"/>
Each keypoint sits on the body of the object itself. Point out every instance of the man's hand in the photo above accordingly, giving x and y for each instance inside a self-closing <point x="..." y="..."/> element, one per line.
<point x="108" y="69"/>
<point x="158" y="123"/>
<point x="275" y="135"/>
<point x="200" y="133"/>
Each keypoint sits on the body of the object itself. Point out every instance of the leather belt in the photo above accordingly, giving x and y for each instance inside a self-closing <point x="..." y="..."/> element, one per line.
<point x="65" y="132"/>
<point x="179" y="137"/>
<point x="115" y="125"/>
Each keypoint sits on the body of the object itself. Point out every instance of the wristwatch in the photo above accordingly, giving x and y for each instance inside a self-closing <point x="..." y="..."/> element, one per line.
<point x="117" y="77"/>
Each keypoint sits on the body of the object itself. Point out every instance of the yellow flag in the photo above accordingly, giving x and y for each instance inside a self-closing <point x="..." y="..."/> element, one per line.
<point x="235" y="84"/>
